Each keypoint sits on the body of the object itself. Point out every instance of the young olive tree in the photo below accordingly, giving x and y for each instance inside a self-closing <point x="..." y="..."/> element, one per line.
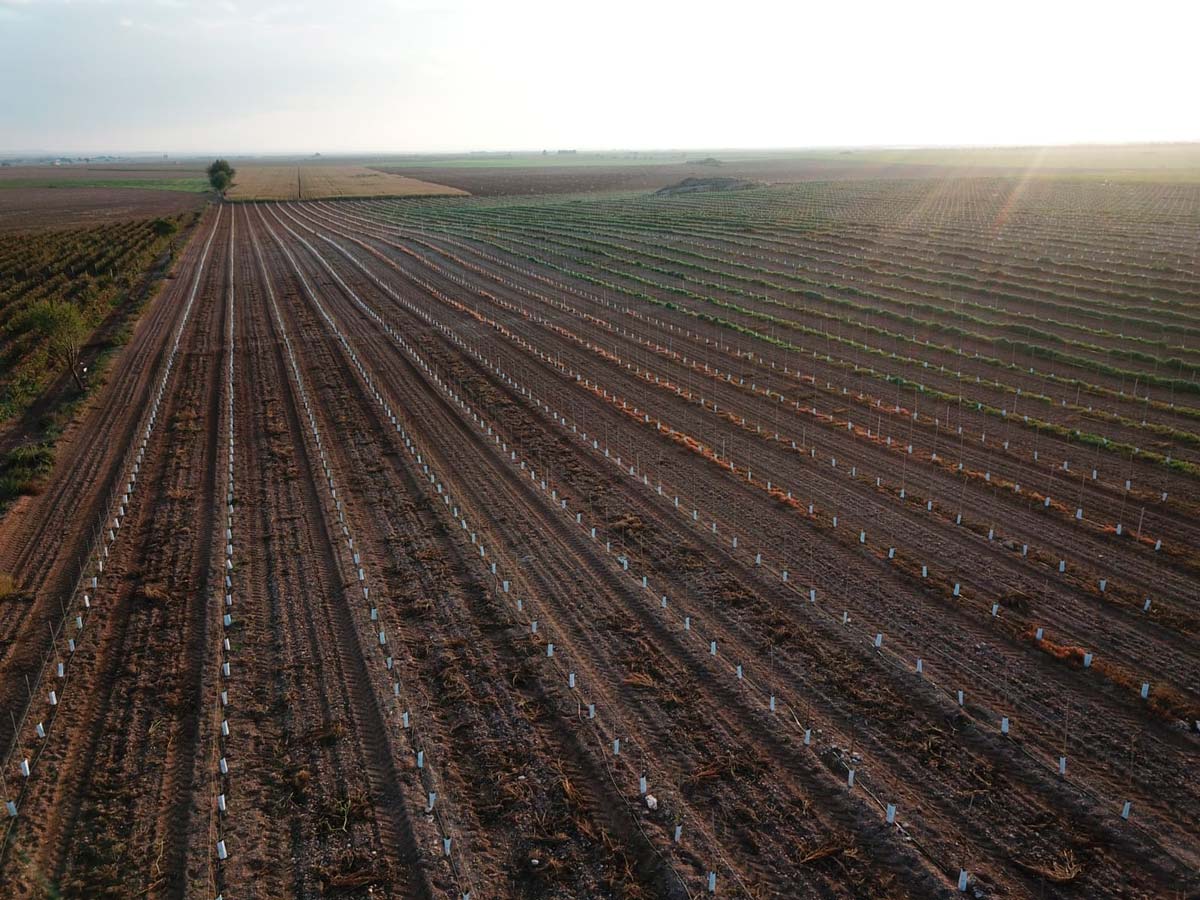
<point x="62" y="327"/>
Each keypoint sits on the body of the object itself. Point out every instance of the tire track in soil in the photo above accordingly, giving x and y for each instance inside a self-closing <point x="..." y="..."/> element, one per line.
<point x="338" y="644"/>
<point x="867" y="698"/>
<point x="335" y="757"/>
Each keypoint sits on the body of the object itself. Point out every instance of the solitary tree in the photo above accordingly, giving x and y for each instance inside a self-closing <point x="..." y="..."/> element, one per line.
<point x="61" y="325"/>
<point x="220" y="175"/>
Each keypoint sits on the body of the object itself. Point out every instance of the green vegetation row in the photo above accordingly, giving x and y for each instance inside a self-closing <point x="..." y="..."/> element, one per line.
<point x="909" y="270"/>
<point x="444" y="214"/>
<point x="1040" y="425"/>
<point x="636" y="216"/>
<point x="721" y="218"/>
<point x="681" y="268"/>
<point x="1072" y="235"/>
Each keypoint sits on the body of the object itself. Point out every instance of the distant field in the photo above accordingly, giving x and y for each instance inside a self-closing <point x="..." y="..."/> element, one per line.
<point x="195" y="185"/>
<point x="325" y="182"/>
<point x="532" y="174"/>
<point x="1155" y="162"/>
<point x="265" y="183"/>
<point x="35" y="197"/>
<point x="68" y="205"/>
<point x="537" y="160"/>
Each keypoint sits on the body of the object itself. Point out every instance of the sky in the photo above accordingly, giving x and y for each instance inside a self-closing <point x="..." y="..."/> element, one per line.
<point x="401" y="76"/>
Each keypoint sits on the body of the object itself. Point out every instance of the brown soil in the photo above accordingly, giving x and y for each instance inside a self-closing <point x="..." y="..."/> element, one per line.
<point x="530" y="408"/>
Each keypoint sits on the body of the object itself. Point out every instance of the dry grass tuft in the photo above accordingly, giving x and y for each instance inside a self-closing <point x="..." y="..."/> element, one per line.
<point x="8" y="588"/>
<point x="1066" y="652"/>
<point x="1165" y="701"/>
<point x="832" y="848"/>
<point x="350" y="873"/>
<point x="639" y="679"/>
<point x="153" y="594"/>
<point x="1063" y="870"/>
<point x="570" y="794"/>
<point x="627" y="525"/>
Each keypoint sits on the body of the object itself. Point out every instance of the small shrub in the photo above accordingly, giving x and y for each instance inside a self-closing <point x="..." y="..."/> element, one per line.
<point x="22" y="469"/>
<point x="8" y="588"/>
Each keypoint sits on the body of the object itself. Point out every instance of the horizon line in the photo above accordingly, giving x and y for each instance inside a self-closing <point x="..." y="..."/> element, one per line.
<point x="46" y="153"/>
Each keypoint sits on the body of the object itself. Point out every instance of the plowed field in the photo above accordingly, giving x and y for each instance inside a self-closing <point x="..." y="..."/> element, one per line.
<point x="828" y="540"/>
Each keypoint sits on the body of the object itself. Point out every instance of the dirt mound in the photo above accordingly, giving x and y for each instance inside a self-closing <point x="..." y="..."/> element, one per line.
<point x="696" y="185"/>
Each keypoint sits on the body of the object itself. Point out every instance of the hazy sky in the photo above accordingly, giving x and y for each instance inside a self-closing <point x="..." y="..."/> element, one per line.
<point x="85" y="76"/>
